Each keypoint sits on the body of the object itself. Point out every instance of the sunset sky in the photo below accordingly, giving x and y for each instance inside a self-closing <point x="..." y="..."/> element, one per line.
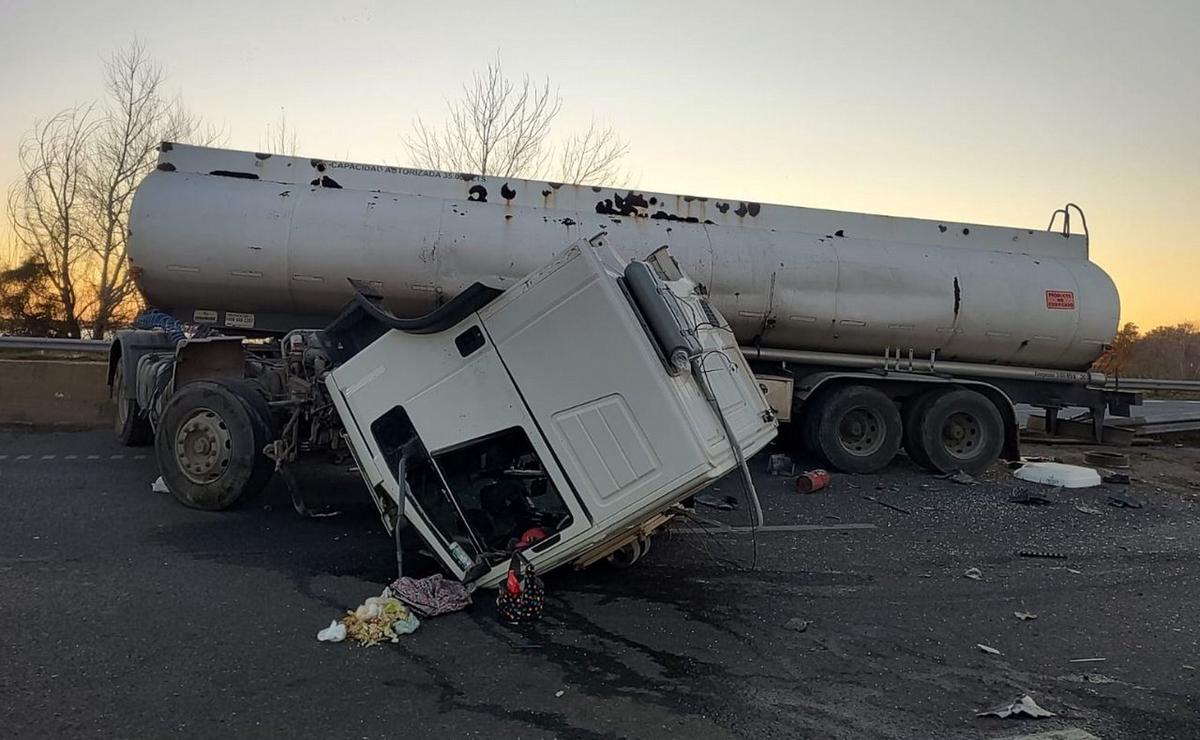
<point x="994" y="112"/>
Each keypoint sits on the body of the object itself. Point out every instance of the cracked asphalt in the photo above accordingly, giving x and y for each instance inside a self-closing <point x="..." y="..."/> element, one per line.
<point x="125" y="614"/>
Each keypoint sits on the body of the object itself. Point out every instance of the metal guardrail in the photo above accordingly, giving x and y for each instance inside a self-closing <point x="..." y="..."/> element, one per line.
<point x="48" y="344"/>
<point x="1152" y="384"/>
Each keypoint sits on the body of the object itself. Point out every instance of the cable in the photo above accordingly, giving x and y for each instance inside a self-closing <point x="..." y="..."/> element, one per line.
<point x="756" y="515"/>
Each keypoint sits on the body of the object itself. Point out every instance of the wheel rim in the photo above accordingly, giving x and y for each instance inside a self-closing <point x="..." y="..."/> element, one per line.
<point x="861" y="432"/>
<point x="203" y="446"/>
<point x="962" y="435"/>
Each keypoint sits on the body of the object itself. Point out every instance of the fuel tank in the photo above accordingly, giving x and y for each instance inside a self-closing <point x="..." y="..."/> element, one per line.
<point x="267" y="242"/>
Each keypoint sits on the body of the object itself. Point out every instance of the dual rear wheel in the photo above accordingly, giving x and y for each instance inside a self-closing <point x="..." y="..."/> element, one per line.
<point x="209" y="443"/>
<point x="859" y="429"/>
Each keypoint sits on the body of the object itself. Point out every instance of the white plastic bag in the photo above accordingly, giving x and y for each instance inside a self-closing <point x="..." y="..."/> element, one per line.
<point x="335" y="632"/>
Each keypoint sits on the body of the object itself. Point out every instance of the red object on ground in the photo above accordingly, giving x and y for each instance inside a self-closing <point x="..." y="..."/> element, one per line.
<point x="812" y="480"/>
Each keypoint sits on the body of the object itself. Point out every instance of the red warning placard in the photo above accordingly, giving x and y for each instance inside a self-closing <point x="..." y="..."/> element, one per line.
<point x="1062" y="299"/>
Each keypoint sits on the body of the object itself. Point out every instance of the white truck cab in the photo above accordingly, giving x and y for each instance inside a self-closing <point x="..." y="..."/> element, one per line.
<point x="559" y="416"/>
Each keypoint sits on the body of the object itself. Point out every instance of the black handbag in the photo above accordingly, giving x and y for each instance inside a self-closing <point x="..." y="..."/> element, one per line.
<point x="522" y="596"/>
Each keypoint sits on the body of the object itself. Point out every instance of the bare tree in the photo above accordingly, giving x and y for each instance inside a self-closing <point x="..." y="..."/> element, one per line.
<point x="594" y="157"/>
<point x="46" y="205"/>
<point x="123" y="148"/>
<point x="499" y="127"/>
<point x="280" y="138"/>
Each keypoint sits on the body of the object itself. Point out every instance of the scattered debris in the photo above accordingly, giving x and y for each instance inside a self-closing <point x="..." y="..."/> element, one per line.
<point x="812" y="480"/>
<point x="1123" y="501"/>
<point x="1058" y="474"/>
<point x="431" y="596"/>
<point x="724" y="503"/>
<point x="558" y="694"/>
<point x="1117" y="478"/>
<point x="796" y="624"/>
<point x="1088" y="510"/>
<point x="1029" y="498"/>
<point x="335" y="632"/>
<point x="1089" y="660"/>
<point x="1187" y="667"/>
<point x="379" y="619"/>
<point x="974" y="574"/>
<point x="958" y="476"/>
<point x="1068" y="733"/>
<point x="781" y="465"/>
<point x="159" y="486"/>
<point x="1022" y="706"/>
<point x="1076" y="572"/>
<point x="1025" y="616"/>
<point x="987" y="649"/>
<point x="1091" y="678"/>
<point x="893" y="507"/>
<point x="1106" y="459"/>
<point x="1038" y="459"/>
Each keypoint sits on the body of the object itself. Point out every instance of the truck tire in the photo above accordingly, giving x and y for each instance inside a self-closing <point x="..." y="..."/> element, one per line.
<point x="960" y="430"/>
<point x="130" y="427"/>
<point x="264" y="426"/>
<point x="810" y="420"/>
<point x="207" y="446"/>
<point x="913" y="412"/>
<point x="859" y="429"/>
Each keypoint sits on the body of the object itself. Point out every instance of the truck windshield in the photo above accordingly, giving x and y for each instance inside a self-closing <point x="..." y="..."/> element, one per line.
<point x="490" y="495"/>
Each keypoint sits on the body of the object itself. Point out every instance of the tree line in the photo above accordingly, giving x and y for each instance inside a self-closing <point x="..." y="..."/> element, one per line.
<point x="1168" y="352"/>
<point x="68" y="275"/>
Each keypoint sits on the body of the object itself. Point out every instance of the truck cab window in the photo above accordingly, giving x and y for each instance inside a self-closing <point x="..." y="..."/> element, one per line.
<point x="490" y="495"/>
<point x="506" y="495"/>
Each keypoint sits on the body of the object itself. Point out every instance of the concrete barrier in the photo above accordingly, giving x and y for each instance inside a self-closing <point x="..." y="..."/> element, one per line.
<point x="54" y="394"/>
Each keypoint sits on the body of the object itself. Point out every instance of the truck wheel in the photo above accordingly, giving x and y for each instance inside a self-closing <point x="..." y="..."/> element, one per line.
<point x="207" y="447"/>
<point x="264" y="426"/>
<point x="961" y="430"/>
<point x="859" y="429"/>
<point x="913" y="413"/>
<point x="130" y="428"/>
<point x="809" y="422"/>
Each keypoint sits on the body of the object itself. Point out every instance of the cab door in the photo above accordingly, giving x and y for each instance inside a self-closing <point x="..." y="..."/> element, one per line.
<point x="478" y="475"/>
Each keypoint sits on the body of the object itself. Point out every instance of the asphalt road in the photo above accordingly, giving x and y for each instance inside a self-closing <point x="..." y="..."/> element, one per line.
<point x="125" y="614"/>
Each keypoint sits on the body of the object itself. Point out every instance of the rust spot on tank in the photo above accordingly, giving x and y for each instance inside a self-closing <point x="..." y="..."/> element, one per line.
<point x="653" y="201"/>
<point x="324" y="181"/>
<point x="166" y="167"/>
<point x="741" y="210"/>
<point x="262" y="155"/>
<point x="477" y="193"/>
<point x="466" y="177"/>
<point x="663" y="215"/>
<point x="508" y="217"/>
<point x="840" y="232"/>
<point x="622" y="205"/>
<point x="507" y="192"/>
<point x="556" y="185"/>
<point x="942" y="228"/>
<point x="231" y="173"/>
<point x="546" y="193"/>
<point x="568" y="222"/>
<point x="723" y="207"/>
<point x="957" y="297"/>
<point x="966" y="232"/>
<point x="596" y="188"/>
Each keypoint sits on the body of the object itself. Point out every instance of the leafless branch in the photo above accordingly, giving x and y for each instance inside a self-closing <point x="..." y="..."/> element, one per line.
<point x="280" y="138"/>
<point x="594" y="157"/>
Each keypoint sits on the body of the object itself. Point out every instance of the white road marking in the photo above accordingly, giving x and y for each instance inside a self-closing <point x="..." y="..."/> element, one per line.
<point x="93" y="457"/>
<point x="24" y="457"/>
<point x="116" y="457"/>
<point x="48" y="457"/>
<point x="139" y="457"/>
<point x="3" y="457"/>
<point x="70" y="457"/>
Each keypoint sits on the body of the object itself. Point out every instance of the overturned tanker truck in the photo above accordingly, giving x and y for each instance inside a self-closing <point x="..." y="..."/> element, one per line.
<point x="866" y="333"/>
